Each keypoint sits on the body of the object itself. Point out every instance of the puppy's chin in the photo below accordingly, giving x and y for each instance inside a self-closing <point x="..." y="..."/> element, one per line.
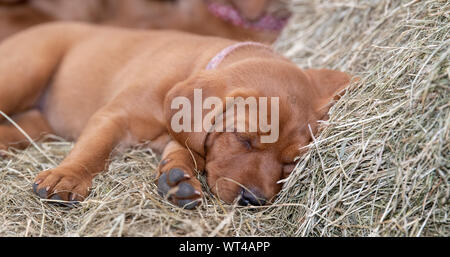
<point x="226" y="189"/>
<point x="219" y="172"/>
<point x="235" y="166"/>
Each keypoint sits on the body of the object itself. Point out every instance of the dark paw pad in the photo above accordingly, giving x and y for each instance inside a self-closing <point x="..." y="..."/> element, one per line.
<point x="42" y="193"/>
<point x="185" y="190"/>
<point x="56" y="197"/>
<point x="177" y="175"/>
<point x="163" y="187"/>
<point x="184" y="194"/>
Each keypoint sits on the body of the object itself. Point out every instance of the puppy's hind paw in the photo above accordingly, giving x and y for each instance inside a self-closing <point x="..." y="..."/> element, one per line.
<point x="179" y="188"/>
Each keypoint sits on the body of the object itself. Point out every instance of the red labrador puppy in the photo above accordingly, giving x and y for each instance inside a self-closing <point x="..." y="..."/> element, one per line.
<point x="107" y="87"/>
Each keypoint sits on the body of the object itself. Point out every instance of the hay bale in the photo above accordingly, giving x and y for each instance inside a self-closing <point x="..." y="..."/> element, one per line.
<point x="380" y="167"/>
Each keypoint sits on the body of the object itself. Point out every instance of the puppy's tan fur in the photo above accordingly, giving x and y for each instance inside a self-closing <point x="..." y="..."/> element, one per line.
<point x="107" y="87"/>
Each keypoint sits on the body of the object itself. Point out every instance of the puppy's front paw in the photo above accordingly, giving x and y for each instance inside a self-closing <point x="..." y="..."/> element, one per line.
<point x="180" y="188"/>
<point x="62" y="185"/>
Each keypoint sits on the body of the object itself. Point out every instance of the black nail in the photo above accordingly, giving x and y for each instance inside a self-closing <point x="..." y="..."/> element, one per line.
<point x="35" y="186"/>
<point x="164" y="162"/>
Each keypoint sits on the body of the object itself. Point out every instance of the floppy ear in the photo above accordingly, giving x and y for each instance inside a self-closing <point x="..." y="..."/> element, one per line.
<point x="330" y="85"/>
<point x="185" y="111"/>
<point x="184" y="105"/>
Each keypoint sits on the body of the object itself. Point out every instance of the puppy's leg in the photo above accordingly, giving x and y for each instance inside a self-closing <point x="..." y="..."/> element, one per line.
<point x="72" y="179"/>
<point x="177" y="179"/>
<point x="31" y="122"/>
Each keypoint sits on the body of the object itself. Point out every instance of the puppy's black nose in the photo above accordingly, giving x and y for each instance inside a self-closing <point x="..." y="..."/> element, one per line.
<point x="252" y="197"/>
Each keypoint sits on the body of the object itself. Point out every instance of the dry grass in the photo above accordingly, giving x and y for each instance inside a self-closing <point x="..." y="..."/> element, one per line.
<point x="380" y="167"/>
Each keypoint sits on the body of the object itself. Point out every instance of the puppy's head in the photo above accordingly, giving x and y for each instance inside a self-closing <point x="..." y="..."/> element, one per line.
<point x="253" y="119"/>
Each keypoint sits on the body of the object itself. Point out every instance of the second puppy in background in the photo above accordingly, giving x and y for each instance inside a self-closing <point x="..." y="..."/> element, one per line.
<point x="255" y="20"/>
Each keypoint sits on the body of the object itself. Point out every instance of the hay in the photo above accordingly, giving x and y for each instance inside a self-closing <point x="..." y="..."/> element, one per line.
<point x="380" y="167"/>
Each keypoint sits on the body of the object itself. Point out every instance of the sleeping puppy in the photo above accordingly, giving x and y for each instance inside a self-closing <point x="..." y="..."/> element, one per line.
<point x="258" y="20"/>
<point x="196" y="103"/>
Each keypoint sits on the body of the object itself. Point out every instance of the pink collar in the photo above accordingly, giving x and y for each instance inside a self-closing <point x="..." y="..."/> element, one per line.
<point x="230" y="14"/>
<point x="217" y="60"/>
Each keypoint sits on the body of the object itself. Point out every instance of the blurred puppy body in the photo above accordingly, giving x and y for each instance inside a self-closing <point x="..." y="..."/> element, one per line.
<point x="257" y="20"/>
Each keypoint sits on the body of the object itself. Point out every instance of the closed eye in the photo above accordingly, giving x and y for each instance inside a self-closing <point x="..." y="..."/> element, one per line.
<point x="247" y="144"/>
<point x="245" y="141"/>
